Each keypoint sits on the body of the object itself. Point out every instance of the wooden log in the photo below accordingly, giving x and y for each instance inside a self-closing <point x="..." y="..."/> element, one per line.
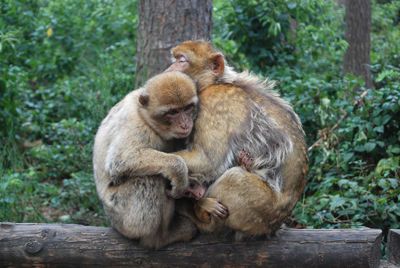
<point x="69" y="245"/>
<point x="393" y="246"/>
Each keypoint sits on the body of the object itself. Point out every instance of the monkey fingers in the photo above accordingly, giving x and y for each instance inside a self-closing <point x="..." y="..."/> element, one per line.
<point x="245" y="160"/>
<point x="213" y="207"/>
<point x="174" y="191"/>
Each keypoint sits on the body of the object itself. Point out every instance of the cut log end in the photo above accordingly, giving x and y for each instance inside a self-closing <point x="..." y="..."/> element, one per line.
<point x="393" y="246"/>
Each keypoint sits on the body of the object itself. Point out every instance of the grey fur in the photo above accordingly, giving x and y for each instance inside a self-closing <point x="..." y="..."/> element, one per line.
<point x="267" y="143"/>
<point x="248" y="82"/>
<point x="132" y="171"/>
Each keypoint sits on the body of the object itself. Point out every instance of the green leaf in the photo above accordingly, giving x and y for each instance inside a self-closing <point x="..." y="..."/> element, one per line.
<point x="394" y="150"/>
<point x="379" y="129"/>
<point x="383" y="183"/>
<point x="393" y="183"/>
<point x="369" y="146"/>
<point x="336" y="201"/>
<point x="347" y="157"/>
<point x="386" y="119"/>
<point x="359" y="148"/>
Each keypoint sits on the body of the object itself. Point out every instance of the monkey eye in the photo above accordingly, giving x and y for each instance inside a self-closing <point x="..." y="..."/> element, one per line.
<point x="182" y="59"/>
<point x="172" y="112"/>
<point x="189" y="107"/>
<point x="173" y="59"/>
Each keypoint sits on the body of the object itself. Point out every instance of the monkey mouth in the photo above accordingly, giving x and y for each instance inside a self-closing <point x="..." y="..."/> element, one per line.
<point x="183" y="134"/>
<point x="200" y="194"/>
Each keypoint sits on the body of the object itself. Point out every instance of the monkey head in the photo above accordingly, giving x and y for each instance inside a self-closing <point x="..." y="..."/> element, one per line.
<point x="200" y="60"/>
<point x="169" y="104"/>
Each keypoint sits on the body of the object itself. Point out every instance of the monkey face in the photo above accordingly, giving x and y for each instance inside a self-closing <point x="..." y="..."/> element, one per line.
<point x="179" y="63"/>
<point x="169" y="104"/>
<point x="195" y="190"/>
<point x="181" y="120"/>
<point x="200" y="60"/>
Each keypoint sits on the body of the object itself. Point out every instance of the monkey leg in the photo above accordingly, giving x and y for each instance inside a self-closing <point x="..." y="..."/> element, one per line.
<point x="252" y="204"/>
<point x="198" y="216"/>
<point x="140" y="209"/>
<point x="179" y="229"/>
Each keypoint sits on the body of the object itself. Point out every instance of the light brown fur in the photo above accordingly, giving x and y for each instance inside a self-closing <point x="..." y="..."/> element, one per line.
<point x="132" y="166"/>
<point x="239" y="111"/>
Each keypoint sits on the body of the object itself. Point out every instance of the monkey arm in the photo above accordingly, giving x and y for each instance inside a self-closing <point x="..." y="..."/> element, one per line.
<point x="148" y="162"/>
<point x="196" y="160"/>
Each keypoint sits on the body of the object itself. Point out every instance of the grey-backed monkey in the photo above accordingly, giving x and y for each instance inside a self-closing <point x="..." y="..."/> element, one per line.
<point x="132" y="168"/>
<point x="238" y="111"/>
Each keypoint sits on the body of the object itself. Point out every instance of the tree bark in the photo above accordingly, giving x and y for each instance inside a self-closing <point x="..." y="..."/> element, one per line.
<point x="393" y="246"/>
<point x="164" y="24"/>
<point x="69" y="245"/>
<point x="357" y="34"/>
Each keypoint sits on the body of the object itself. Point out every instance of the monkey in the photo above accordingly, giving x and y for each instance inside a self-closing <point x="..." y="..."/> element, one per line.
<point x="132" y="167"/>
<point x="248" y="146"/>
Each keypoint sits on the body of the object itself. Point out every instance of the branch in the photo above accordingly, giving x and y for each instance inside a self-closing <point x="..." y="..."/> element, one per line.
<point x="70" y="245"/>
<point x="306" y="99"/>
<point x="325" y="132"/>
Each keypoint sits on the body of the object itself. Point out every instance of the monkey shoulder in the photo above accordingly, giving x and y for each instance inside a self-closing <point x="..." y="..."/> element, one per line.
<point x="222" y="103"/>
<point x="125" y="108"/>
<point x="219" y="89"/>
<point x="123" y="125"/>
<point x="218" y="94"/>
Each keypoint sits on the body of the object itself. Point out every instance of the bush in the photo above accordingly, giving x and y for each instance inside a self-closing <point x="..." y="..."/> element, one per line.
<point x="64" y="64"/>
<point x="354" y="174"/>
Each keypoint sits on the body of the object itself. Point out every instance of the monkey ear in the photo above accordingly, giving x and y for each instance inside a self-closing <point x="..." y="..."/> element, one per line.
<point x="144" y="99"/>
<point x="218" y="64"/>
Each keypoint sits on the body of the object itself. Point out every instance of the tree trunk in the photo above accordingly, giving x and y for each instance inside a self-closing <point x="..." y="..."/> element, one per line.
<point x="164" y="24"/>
<point x="70" y="245"/>
<point x="357" y="34"/>
<point x="393" y="246"/>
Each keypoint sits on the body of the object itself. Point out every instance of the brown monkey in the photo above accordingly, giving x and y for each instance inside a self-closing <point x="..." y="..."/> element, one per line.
<point x="132" y="169"/>
<point x="238" y="111"/>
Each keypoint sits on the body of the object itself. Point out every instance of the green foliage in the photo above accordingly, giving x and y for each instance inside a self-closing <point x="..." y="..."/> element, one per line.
<point x="26" y="197"/>
<point x="63" y="65"/>
<point x="354" y="173"/>
<point x="259" y="28"/>
<point x="262" y="34"/>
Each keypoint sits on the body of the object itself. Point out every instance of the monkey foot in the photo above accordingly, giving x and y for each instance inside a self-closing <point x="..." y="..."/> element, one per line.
<point x="245" y="160"/>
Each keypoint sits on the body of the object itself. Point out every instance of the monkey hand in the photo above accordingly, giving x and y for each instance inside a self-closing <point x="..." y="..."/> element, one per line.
<point x="207" y="207"/>
<point x="175" y="192"/>
<point x="178" y="178"/>
<point x="245" y="160"/>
